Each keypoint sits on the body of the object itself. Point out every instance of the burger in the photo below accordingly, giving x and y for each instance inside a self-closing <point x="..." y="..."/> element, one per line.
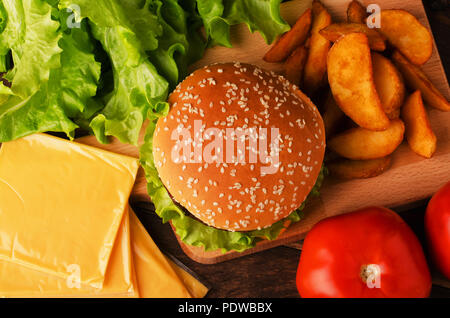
<point x="239" y="152"/>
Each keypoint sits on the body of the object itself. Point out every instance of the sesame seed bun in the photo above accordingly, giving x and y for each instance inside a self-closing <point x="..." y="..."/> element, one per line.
<point x="230" y="194"/>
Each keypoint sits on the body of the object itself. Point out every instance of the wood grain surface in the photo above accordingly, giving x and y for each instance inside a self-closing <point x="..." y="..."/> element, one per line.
<point x="410" y="179"/>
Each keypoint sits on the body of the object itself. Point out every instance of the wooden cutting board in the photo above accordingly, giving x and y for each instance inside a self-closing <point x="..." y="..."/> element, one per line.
<point x="410" y="179"/>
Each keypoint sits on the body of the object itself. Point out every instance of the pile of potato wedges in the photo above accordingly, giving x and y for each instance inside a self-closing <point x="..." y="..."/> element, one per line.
<point x="368" y="83"/>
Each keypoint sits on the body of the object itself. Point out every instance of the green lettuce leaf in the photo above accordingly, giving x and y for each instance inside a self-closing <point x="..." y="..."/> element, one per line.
<point x="66" y="95"/>
<point x="259" y="15"/>
<point x="37" y="113"/>
<point x="4" y="52"/>
<point x="256" y="13"/>
<point x="134" y="15"/>
<point x="191" y="231"/>
<point x="150" y="45"/>
<point x="180" y="44"/>
<point x="137" y="86"/>
<point x="32" y="38"/>
<point x="79" y="73"/>
<point x="126" y="30"/>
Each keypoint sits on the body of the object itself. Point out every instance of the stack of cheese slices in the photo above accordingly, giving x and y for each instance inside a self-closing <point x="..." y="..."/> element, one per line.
<point x="66" y="229"/>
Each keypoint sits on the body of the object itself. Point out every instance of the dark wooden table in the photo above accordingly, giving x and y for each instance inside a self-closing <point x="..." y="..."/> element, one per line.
<point x="272" y="273"/>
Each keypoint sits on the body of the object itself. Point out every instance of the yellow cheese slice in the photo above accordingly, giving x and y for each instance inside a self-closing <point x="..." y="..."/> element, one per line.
<point x="194" y="286"/>
<point x="120" y="281"/>
<point x="160" y="276"/>
<point x="156" y="278"/>
<point x="61" y="205"/>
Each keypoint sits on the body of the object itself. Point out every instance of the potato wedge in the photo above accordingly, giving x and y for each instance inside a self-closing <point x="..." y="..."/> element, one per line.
<point x="364" y="144"/>
<point x="394" y="114"/>
<point x="416" y="79"/>
<point x="389" y="85"/>
<point x="316" y="64"/>
<point x="419" y="134"/>
<point x="295" y="64"/>
<point x="359" y="169"/>
<point x="407" y="34"/>
<point x="289" y="41"/>
<point x="356" y="13"/>
<point x="351" y="80"/>
<point x="334" y="31"/>
<point x="332" y="116"/>
<point x="307" y="42"/>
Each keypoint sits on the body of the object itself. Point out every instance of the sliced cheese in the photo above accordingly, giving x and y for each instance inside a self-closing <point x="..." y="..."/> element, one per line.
<point x="156" y="278"/>
<point x="120" y="281"/>
<point x="66" y="229"/>
<point x="61" y="205"/>
<point x="195" y="287"/>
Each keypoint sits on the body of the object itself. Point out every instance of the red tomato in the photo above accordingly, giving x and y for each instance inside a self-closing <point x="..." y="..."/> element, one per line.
<point x="364" y="254"/>
<point x="437" y="228"/>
